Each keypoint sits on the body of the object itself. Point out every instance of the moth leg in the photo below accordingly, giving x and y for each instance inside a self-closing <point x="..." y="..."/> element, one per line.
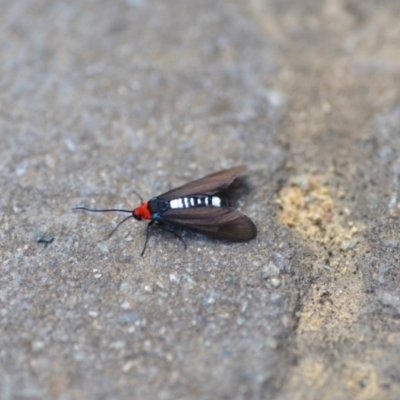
<point x="147" y="237"/>
<point x="164" y="228"/>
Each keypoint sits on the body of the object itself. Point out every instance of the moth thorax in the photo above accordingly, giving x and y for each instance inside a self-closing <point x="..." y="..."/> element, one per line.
<point x="187" y="202"/>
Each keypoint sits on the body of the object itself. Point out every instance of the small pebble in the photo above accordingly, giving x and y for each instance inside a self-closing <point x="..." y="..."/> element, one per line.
<point x="126" y="305"/>
<point x="93" y="314"/>
<point x="43" y="234"/>
<point x="275" y="282"/>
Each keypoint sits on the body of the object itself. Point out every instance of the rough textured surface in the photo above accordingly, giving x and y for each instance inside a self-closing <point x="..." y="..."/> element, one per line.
<point x="102" y="97"/>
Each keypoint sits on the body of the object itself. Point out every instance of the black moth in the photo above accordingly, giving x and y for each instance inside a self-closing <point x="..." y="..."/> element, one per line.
<point x="195" y="206"/>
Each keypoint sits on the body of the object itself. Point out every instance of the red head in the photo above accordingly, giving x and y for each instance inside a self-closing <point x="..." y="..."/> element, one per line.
<point x="142" y="212"/>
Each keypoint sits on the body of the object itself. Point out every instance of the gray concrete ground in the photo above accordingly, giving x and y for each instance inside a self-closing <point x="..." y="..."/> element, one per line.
<point x="100" y="98"/>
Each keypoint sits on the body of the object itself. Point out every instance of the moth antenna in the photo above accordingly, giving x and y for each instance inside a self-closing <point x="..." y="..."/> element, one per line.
<point x="105" y="210"/>
<point x="118" y="225"/>
<point x="108" y="210"/>
<point x="138" y="195"/>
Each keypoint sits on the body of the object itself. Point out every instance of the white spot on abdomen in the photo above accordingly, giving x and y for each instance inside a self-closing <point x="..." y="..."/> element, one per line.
<point x="187" y="202"/>
<point x="216" y="201"/>
<point x="177" y="203"/>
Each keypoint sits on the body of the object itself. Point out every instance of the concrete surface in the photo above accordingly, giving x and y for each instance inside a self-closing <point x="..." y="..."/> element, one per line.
<point x="100" y="98"/>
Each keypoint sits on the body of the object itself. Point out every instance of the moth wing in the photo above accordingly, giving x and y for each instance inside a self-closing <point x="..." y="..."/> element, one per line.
<point x="206" y="186"/>
<point x="216" y="222"/>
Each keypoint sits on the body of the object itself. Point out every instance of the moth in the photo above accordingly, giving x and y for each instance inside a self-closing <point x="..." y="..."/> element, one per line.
<point x="196" y="206"/>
